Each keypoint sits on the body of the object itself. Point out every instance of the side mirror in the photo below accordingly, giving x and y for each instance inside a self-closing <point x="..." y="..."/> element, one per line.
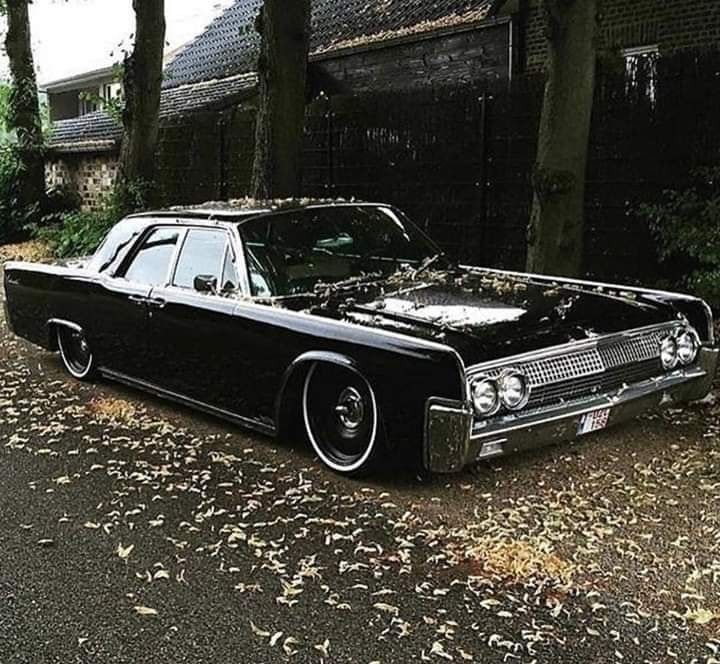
<point x="205" y="283"/>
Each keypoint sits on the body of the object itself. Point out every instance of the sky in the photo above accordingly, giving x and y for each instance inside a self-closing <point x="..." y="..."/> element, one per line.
<point x="75" y="36"/>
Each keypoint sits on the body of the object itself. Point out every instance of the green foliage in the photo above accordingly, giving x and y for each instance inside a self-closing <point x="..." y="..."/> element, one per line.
<point x="5" y="95"/>
<point x="13" y="216"/>
<point x="132" y="196"/>
<point x="686" y="225"/>
<point x="113" y="107"/>
<point x="79" y="233"/>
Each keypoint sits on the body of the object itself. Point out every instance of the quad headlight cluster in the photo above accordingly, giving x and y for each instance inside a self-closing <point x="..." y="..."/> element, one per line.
<point x="679" y="348"/>
<point x="509" y="390"/>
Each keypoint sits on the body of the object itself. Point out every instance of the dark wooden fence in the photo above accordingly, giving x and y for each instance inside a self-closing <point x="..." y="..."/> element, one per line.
<point x="459" y="161"/>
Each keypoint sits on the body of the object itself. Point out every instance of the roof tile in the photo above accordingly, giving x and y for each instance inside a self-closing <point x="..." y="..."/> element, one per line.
<point x="98" y="131"/>
<point x="216" y="67"/>
<point x="230" y="43"/>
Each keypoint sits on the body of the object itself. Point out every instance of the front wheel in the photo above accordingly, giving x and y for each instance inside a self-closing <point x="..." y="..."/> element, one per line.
<point x="341" y="418"/>
<point x="75" y="352"/>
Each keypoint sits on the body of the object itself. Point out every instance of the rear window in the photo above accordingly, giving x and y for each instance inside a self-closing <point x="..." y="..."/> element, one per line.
<point x="117" y="242"/>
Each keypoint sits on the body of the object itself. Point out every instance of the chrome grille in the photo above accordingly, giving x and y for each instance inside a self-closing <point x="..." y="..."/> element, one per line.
<point x="603" y="367"/>
<point x="634" y="349"/>
<point x="611" y="380"/>
<point x="557" y="369"/>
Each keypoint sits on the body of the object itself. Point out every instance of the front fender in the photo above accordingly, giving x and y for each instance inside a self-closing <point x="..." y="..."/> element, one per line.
<point x="403" y="384"/>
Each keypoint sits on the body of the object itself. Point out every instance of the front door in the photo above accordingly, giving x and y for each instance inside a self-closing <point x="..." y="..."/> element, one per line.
<point x="192" y="333"/>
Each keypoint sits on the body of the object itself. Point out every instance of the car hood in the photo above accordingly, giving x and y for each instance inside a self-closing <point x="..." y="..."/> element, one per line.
<point x="486" y="315"/>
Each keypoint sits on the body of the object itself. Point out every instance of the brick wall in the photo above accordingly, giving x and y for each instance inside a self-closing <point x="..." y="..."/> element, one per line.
<point x="674" y="25"/>
<point x="444" y="60"/>
<point x="91" y="175"/>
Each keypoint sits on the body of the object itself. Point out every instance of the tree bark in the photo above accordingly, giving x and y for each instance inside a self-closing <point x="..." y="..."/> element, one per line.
<point x="555" y="232"/>
<point x="142" y="82"/>
<point x="282" y="70"/>
<point x="24" y="111"/>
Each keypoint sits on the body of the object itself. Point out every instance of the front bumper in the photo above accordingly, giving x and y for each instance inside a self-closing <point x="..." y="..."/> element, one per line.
<point x="453" y="440"/>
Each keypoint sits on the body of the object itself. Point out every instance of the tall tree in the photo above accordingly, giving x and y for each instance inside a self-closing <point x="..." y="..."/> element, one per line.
<point x="282" y="70"/>
<point x="24" y="107"/>
<point x="142" y="82"/>
<point x="555" y="233"/>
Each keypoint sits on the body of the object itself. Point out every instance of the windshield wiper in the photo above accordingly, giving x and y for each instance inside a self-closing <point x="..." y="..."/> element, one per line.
<point x="428" y="263"/>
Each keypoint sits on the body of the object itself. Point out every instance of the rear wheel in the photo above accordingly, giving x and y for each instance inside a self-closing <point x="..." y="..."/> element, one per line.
<point x="75" y="352"/>
<point x="341" y="419"/>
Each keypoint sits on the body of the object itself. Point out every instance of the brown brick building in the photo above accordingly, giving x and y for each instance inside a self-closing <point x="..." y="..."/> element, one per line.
<point x="669" y="26"/>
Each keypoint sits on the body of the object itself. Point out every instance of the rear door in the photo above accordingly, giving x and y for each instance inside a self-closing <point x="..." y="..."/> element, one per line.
<point x="123" y="304"/>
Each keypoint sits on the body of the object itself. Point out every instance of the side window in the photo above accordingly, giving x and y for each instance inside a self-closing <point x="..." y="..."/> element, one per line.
<point x="203" y="254"/>
<point x="152" y="261"/>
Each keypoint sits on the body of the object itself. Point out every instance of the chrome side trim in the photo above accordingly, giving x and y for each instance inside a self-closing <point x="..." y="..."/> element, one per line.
<point x="577" y="282"/>
<point x="65" y="323"/>
<point x="709" y="315"/>
<point x="250" y="423"/>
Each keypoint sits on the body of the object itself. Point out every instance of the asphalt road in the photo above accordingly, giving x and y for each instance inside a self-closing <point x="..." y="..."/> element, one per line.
<point x="136" y="531"/>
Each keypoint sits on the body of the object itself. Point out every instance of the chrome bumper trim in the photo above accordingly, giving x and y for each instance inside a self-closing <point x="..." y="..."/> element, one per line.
<point x="451" y="442"/>
<point x="448" y="425"/>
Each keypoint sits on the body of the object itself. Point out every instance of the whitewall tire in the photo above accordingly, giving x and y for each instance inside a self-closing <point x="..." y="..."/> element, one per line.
<point x="75" y="352"/>
<point x="341" y="418"/>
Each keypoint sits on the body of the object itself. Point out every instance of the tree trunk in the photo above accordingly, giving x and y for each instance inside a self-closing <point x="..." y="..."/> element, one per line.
<point x="282" y="71"/>
<point x="142" y="82"/>
<point x="555" y="233"/>
<point x="24" y="111"/>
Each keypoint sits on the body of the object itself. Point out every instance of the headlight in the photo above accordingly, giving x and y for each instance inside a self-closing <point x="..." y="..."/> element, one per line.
<point x="514" y="389"/>
<point x="485" y="396"/>
<point x="687" y="346"/>
<point x="669" y="352"/>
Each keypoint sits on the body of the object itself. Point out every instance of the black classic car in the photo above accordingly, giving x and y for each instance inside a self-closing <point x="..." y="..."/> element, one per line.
<point x="346" y="323"/>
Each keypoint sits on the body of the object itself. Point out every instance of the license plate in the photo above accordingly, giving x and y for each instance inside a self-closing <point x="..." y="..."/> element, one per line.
<point x="594" y="421"/>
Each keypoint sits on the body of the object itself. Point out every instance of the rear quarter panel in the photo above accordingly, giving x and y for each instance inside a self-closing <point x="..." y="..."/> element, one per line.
<point x="37" y="293"/>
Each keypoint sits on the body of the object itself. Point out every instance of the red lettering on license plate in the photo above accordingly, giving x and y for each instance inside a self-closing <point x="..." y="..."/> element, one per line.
<point x="594" y="421"/>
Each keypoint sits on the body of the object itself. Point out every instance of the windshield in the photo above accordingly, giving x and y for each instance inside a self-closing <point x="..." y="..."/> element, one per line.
<point x="292" y="252"/>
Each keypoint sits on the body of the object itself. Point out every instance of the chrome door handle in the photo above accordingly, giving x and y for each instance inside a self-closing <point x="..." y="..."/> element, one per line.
<point x="138" y="299"/>
<point x="157" y="302"/>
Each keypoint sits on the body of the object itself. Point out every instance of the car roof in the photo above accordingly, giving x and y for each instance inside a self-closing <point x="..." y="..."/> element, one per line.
<point x="242" y="210"/>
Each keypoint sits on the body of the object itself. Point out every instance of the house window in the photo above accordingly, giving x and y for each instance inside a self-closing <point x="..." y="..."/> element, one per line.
<point x="641" y="73"/>
<point x="88" y="104"/>
<point x="111" y="91"/>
